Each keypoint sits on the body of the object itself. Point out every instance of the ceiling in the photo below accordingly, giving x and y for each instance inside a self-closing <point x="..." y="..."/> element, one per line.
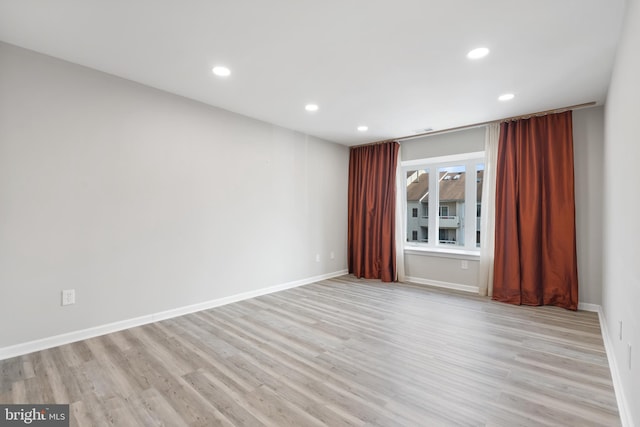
<point x="395" y="66"/>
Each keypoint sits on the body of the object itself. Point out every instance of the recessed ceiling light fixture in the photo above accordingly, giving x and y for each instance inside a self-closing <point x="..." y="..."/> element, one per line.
<point x="311" y="107"/>
<point x="221" y="71"/>
<point x="478" y="53"/>
<point x="363" y="128"/>
<point x="506" y="97"/>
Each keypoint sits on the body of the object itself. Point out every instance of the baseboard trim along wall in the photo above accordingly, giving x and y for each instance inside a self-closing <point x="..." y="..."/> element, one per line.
<point x="439" y="284"/>
<point x="625" y="416"/>
<point x="623" y="407"/>
<point x="585" y="306"/>
<point x="54" y="341"/>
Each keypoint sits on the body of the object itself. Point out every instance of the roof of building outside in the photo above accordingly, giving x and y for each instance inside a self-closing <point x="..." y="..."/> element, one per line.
<point x="450" y="189"/>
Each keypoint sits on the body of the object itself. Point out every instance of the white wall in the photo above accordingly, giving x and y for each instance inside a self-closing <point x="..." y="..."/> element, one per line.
<point x="442" y="270"/>
<point x="444" y="144"/>
<point x="621" y="285"/>
<point x="588" y="135"/>
<point x="588" y="146"/>
<point x="143" y="201"/>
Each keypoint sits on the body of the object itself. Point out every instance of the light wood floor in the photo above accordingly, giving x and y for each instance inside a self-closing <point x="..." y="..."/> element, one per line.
<point x="339" y="352"/>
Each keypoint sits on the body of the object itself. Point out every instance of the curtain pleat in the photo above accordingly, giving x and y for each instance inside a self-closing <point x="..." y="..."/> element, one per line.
<point x="371" y="205"/>
<point x="401" y="215"/>
<point x="487" y="217"/>
<point x="535" y="245"/>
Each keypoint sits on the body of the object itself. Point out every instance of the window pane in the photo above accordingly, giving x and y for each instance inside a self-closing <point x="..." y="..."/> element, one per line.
<point x="479" y="182"/>
<point x="418" y="205"/>
<point x="451" y="205"/>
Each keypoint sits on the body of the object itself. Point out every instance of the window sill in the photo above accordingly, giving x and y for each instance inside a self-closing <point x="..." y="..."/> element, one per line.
<point x="443" y="252"/>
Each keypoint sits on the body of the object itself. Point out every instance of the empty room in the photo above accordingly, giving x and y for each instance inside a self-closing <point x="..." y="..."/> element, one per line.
<point x="340" y="213"/>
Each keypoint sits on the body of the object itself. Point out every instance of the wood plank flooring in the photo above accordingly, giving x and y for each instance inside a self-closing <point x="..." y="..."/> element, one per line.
<point x="342" y="352"/>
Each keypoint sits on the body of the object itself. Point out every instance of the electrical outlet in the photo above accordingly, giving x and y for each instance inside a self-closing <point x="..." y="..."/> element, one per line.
<point x="332" y="255"/>
<point x="317" y="257"/>
<point x="620" y="330"/>
<point x="68" y="296"/>
<point x="464" y="264"/>
<point x="629" y="354"/>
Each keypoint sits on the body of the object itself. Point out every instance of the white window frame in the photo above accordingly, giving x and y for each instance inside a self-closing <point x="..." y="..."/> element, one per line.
<point x="469" y="161"/>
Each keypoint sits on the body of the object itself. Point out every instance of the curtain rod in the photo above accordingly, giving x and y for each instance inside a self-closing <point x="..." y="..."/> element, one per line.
<point x="475" y="125"/>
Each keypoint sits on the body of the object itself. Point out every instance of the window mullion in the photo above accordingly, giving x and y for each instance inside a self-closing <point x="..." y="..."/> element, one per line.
<point x="470" y="206"/>
<point x="433" y="207"/>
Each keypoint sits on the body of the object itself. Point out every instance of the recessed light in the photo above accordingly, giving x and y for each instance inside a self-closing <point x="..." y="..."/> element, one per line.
<point x="363" y="128"/>
<point x="506" y="97"/>
<point x="311" y="107"/>
<point x="221" y="71"/>
<point x="478" y="53"/>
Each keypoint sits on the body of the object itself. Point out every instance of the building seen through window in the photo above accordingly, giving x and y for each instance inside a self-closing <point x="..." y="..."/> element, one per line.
<point x="455" y="223"/>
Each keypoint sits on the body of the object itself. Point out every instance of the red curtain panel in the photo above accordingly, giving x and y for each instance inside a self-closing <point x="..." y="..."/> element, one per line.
<point x="372" y="205"/>
<point x="535" y="245"/>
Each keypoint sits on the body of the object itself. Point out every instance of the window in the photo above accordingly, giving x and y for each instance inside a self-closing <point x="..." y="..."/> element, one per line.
<point x="417" y="205"/>
<point x="479" y="181"/>
<point x="444" y="206"/>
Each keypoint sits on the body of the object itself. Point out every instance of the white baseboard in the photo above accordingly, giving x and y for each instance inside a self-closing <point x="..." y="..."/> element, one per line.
<point x="54" y="341"/>
<point x="439" y="284"/>
<point x="623" y="407"/>
<point x="585" y="306"/>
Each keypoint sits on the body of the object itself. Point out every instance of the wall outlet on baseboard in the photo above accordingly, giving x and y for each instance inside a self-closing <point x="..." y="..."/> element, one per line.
<point x="629" y="354"/>
<point x="68" y="296"/>
<point x="464" y="264"/>
<point x="317" y="257"/>
<point x="332" y="255"/>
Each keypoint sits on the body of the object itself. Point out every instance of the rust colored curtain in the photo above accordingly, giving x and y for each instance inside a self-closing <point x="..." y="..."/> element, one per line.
<point x="535" y="244"/>
<point x="372" y="205"/>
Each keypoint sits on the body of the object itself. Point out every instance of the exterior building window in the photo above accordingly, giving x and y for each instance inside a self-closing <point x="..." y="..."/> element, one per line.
<point x="451" y="191"/>
<point x="443" y="201"/>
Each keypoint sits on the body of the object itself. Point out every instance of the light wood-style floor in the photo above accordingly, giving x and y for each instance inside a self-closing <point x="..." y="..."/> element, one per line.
<point x="338" y="352"/>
